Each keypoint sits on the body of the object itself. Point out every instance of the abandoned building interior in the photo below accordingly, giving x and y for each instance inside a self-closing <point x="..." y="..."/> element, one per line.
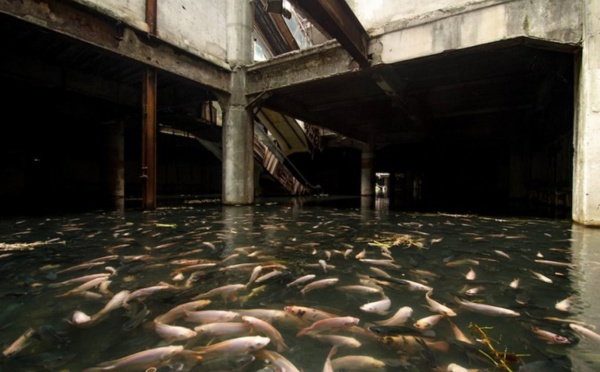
<point x="485" y="125"/>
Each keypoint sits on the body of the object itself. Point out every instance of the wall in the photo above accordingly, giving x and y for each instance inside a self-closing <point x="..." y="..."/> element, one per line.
<point x="197" y="26"/>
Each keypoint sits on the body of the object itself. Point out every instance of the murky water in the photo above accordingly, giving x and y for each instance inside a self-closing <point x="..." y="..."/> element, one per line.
<point x="180" y="255"/>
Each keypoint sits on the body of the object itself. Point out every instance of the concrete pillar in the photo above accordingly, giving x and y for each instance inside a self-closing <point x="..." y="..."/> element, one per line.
<point x="115" y="166"/>
<point x="586" y="167"/>
<point x="367" y="188"/>
<point x="238" y="127"/>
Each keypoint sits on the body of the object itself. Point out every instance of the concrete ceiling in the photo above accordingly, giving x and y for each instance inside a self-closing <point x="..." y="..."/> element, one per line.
<point x="468" y="90"/>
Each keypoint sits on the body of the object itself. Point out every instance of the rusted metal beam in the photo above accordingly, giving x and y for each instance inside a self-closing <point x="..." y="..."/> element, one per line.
<point x="151" y="16"/>
<point x="70" y="19"/>
<point x="340" y="22"/>
<point x="149" y="139"/>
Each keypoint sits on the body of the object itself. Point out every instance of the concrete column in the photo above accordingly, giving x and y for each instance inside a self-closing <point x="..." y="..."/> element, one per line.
<point x="586" y="167"/>
<point x="366" y="171"/>
<point x="238" y="127"/>
<point x="115" y="166"/>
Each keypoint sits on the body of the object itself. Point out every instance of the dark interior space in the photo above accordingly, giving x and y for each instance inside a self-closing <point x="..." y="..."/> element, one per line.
<point x="485" y="130"/>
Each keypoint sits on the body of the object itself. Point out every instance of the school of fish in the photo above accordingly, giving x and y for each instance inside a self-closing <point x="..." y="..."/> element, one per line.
<point x="283" y="290"/>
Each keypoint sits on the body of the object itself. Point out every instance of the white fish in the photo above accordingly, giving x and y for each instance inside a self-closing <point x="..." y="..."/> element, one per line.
<point x="239" y="345"/>
<point x="486" y="309"/>
<point x="337" y="340"/>
<point x="255" y="273"/>
<point x="276" y="360"/>
<point x="474" y="290"/>
<point x="226" y="292"/>
<point x="319" y="284"/>
<point x="428" y="322"/>
<point x="471" y="275"/>
<point x="327" y="367"/>
<point x="541" y="277"/>
<point x="173" y="333"/>
<point x="301" y="280"/>
<point x="585" y="332"/>
<point x="266" y="329"/>
<point x="20" y="343"/>
<point x="378" y="307"/>
<point x="565" y="304"/>
<point x="438" y="307"/>
<point x="223" y="330"/>
<point x="329" y="324"/>
<point x="139" y="361"/>
<point x="550" y="337"/>
<point x="210" y="316"/>
<point x="357" y="363"/>
<point x="501" y="253"/>
<point x="399" y="318"/>
<point x="515" y="283"/>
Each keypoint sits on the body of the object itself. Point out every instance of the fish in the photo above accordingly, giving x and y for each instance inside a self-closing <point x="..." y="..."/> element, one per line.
<point x="80" y="279"/>
<point x="308" y="313"/>
<point x="471" y="275"/>
<point x="82" y="288"/>
<point x="337" y="340"/>
<point x="228" y="291"/>
<point x="180" y="311"/>
<point x="147" y="291"/>
<point x="363" y="289"/>
<point x="541" y="277"/>
<point x="502" y="253"/>
<point x="281" y="363"/>
<point x="585" y="332"/>
<point x="20" y="343"/>
<point x="266" y="329"/>
<point x="223" y="330"/>
<point x="564" y="305"/>
<point x="399" y="318"/>
<point x="474" y="291"/>
<point x="410" y="344"/>
<point x="210" y="316"/>
<point x="412" y="285"/>
<point x="238" y="345"/>
<point x="458" y="334"/>
<point x="464" y="261"/>
<point x="319" y="284"/>
<point x="557" y="263"/>
<point x="226" y="363"/>
<point x="327" y="366"/>
<point x="357" y="363"/>
<point x="486" y="309"/>
<point x="138" y="361"/>
<point x="329" y="324"/>
<point x="378" y="307"/>
<point x="428" y="322"/>
<point x="173" y="333"/>
<point x="385" y="263"/>
<point x="549" y="337"/>
<point x="301" y="280"/>
<point x="255" y="273"/>
<point x="438" y="307"/>
<point x="515" y="283"/>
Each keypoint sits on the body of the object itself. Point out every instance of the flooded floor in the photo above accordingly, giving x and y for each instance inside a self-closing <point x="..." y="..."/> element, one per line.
<point x="292" y="286"/>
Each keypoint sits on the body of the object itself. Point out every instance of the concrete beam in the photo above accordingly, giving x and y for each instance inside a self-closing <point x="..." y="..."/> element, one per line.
<point x="293" y="68"/>
<point x="84" y="25"/>
<point x="339" y="21"/>
<point x="555" y="21"/>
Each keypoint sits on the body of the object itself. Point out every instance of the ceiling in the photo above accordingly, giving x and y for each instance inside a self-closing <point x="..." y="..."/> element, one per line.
<point x="402" y="103"/>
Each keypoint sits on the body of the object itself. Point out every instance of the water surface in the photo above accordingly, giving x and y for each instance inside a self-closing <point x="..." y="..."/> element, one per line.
<point x="552" y="260"/>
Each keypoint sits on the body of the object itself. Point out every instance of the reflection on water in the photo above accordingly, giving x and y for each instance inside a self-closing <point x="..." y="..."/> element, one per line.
<point x="81" y="290"/>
